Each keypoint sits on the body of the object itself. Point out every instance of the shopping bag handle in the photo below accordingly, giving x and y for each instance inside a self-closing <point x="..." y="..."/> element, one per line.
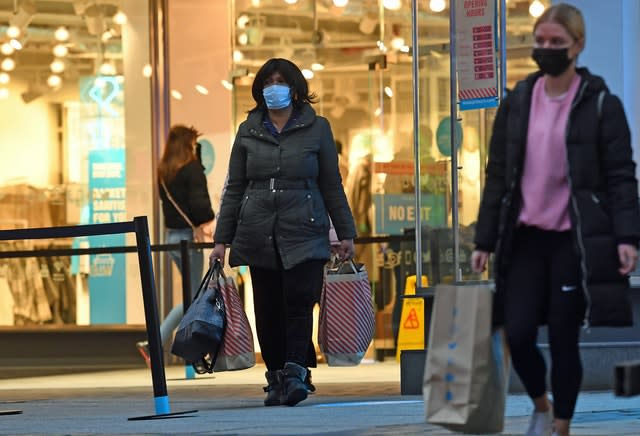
<point x="337" y="265"/>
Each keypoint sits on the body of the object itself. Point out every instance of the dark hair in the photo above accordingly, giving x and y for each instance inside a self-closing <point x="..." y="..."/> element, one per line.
<point x="178" y="151"/>
<point x="339" y="146"/>
<point x="291" y="74"/>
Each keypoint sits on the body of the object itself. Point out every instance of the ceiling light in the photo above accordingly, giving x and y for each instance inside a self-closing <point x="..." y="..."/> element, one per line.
<point x="176" y="94"/>
<point x="340" y="3"/>
<point x="317" y="66"/>
<point x="307" y="73"/>
<point x="388" y="91"/>
<point x="226" y="84"/>
<point x="4" y="78"/>
<point x="291" y="2"/>
<point x="16" y="44"/>
<point x="392" y="5"/>
<point x="242" y="21"/>
<point x="405" y="49"/>
<point x="106" y="35"/>
<point x="107" y="69"/>
<point x="57" y="66"/>
<point x="54" y="81"/>
<point x="243" y="39"/>
<point x="437" y="5"/>
<point x="202" y="90"/>
<point x="255" y="3"/>
<point x="13" y="31"/>
<point x="4" y="93"/>
<point x="61" y="34"/>
<point x="238" y="56"/>
<point x="120" y="18"/>
<point x="8" y="64"/>
<point x="536" y="8"/>
<point x="147" y="71"/>
<point x="60" y="50"/>
<point x="6" y="49"/>
<point x="397" y="42"/>
<point x="377" y="112"/>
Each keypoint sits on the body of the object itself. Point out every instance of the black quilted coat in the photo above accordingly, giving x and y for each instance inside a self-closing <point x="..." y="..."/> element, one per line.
<point x="280" y="193"/>
<point x="604" y="194"/>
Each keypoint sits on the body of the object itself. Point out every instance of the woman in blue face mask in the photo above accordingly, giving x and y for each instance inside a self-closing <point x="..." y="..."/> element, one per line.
<point x="560" y="211"/>
<point x="282" y="186"/>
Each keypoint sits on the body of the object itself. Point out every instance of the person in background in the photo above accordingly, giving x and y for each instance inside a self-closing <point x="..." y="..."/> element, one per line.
<point x="560" y="210"/>
<point x="283" y="185"/>
<point x="185" y="205"/>
<point x="343" y="165"/>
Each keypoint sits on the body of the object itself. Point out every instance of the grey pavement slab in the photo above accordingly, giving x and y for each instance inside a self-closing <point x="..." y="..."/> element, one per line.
<point x="364" y="400"/>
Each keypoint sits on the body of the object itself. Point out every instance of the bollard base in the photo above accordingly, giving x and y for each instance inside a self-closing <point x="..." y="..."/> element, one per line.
<point x="10" y="412"/>
<point x="163" y="416"/>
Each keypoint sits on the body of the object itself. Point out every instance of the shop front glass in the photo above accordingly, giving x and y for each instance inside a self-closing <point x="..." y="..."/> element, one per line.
<point x="357" y="57"/>
<point x="65" y="69"/>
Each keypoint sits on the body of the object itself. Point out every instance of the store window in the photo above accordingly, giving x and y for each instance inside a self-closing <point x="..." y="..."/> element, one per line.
<point x="65" y="68"/>
<point x="357" y="57"/>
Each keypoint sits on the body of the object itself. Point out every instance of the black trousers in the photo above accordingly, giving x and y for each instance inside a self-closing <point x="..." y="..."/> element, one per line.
<point x="543" y="286"/>
<point x="283" y="303"/>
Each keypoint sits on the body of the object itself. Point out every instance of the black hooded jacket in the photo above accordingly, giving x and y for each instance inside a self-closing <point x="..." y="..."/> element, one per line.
<point x="601" y="174"/>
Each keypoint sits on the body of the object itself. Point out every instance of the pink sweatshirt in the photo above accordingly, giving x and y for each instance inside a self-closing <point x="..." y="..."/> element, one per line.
<point x="544" y="187"/>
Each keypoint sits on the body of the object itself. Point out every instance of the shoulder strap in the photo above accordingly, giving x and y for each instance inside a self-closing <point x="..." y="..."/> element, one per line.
<point x="601" y="96"/>
<point x="180" y="211"/>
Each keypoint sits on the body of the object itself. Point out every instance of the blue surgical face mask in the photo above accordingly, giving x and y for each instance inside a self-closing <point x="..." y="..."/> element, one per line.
<point x="277" y="96"/>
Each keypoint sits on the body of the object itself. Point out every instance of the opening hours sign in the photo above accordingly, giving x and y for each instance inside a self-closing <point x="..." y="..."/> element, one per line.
<point x="475" y="53"/>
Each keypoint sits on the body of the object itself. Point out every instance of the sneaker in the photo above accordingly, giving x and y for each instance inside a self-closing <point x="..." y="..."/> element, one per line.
<point x="307" y="381"/>
<point x="143" y="348"/>
<point x="541" y="424"/>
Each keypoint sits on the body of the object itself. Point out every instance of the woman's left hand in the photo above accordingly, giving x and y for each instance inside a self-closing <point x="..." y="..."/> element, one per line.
<point x="628" y="255"/>
<point x="346" y="250"/>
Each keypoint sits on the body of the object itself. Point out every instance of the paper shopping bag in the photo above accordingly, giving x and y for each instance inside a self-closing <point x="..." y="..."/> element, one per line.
<point x="347" y="320"/>
<point x="467" y="367"/>
<point x="237" y="350"/>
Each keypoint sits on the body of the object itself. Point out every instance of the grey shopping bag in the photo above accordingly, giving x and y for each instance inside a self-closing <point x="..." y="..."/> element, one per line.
<point x="201" y="330"/>
<point x="467" y="368"/>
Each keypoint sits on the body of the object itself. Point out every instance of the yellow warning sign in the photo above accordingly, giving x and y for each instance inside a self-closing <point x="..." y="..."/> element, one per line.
<point x="412" y="321"/>
<point x="411" y="328"/>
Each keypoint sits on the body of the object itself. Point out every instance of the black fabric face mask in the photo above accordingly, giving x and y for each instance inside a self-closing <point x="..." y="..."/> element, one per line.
<point x="552" y="61"/>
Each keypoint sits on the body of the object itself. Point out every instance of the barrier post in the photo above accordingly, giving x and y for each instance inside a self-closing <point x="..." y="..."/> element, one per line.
<point x="161" y="398"/>
<point x="185" y="262"/>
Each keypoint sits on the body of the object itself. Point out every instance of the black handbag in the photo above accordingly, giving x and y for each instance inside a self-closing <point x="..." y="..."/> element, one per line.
<point x="201" y="331"/>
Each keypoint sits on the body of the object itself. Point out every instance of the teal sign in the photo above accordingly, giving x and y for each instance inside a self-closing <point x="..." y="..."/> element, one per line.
<point x="107" y="204"/>
<point x="396" y="212"/>
<point x="208" y="155"/>
<point x="443" y="136"/>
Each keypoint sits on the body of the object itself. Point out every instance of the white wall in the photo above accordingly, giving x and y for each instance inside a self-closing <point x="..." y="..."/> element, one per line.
<point x="612" y="35"/>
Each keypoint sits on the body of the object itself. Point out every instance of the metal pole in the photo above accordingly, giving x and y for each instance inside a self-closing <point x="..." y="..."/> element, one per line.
<point x="415" y="64"/>
<point x="503" y="48"/>
<point x="151" y="315"/>
<point x="454" y="151"/>
<point x="185" y="261"/>
<point x="160" y="110"/>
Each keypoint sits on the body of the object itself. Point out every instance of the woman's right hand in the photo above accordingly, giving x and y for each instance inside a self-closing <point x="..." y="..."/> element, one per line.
<point x="217" y="254"/>
<point x="479" y="260"/>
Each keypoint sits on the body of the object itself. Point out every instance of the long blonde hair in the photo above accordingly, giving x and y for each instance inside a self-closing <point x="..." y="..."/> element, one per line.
<point x="568" y="16"/>
<point x="178" y="152"/>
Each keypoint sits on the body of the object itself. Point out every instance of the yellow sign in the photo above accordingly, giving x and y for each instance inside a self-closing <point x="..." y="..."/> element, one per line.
<point x="411" y="331"/>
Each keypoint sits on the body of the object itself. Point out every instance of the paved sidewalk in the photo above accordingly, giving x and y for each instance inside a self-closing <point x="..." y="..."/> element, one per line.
<point x="363" y="400"/>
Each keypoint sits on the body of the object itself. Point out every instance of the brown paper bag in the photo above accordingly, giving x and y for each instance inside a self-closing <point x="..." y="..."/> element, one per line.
<point x="467" y="367"/>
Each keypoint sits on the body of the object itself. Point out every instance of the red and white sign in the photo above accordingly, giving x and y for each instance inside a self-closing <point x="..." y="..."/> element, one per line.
<point x="476" y="54"/>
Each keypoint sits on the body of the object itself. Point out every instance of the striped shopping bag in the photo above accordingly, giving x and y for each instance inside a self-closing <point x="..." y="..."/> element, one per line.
<point x="346" y="324"/>
<point x="237" y="351"/>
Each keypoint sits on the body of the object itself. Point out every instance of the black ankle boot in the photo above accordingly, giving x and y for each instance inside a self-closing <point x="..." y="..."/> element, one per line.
<point x="294" y="388"/>
<point x="273" y="389"/>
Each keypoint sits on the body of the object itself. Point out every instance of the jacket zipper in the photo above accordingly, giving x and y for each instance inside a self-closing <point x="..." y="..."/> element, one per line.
<point x="576" y="211"/>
